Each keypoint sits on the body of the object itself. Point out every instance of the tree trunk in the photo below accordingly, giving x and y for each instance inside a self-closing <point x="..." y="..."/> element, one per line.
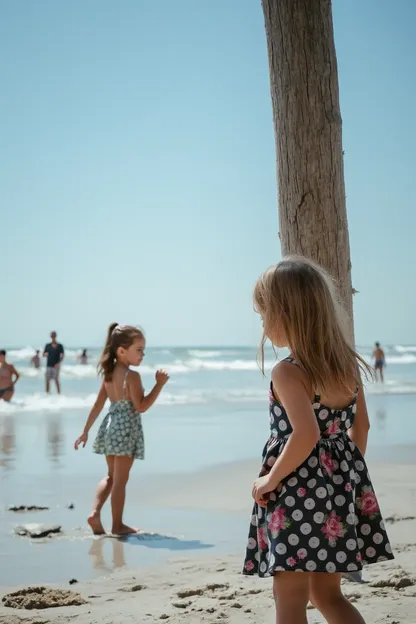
<point x="308" y="133"/>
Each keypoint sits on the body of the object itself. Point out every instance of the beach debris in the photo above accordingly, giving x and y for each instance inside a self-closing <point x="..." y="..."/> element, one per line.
<point x="71" y="506"/>
<point x="133" y="588"/>
<point x="73" y="581"/>
<point x="186" y="593"/>
<point x="182" y="605"/>
<point x="236" y="605"/>
<point x="396" y="518"/>
<point x="21" y="508"/>
<point x="199" y="591"/>
<point x="398" y="580"/>
<point x="229" y="596"/>
<point x="254" y="591"/>
<point x="214" y="586"/>
<point x="42" y="598"/>
<point x="164" y="616"/>
<point x="37" y="531"/>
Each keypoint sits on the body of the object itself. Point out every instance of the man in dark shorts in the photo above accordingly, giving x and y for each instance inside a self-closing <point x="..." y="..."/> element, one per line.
<point x="54" y="351"/>
<point x="379" y="361"/>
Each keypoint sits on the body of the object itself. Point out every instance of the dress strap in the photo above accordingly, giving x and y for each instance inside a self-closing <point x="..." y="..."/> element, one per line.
<point x="292" y="360"/>
<point x="125" y="384"/>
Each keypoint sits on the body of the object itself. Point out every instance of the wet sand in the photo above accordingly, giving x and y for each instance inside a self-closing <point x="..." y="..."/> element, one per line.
<point x="208" y="588"/>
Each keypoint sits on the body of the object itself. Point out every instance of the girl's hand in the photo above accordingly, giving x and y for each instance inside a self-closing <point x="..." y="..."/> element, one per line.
<point x="83" y="439"/>
<point x="161" y="377"/>
<point x="262" y="486"/>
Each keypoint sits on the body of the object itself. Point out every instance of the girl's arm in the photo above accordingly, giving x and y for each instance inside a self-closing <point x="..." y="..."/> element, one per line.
<point x="93" y="415"/>
<point x="15" y="373"/>
<point x="141" y="402"/>
<point x="290" y="384"/>
<point x="359" y="431"/>
<point x="288" y="380"/>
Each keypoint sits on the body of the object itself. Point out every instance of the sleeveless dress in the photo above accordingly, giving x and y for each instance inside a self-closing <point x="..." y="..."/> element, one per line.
<point x="121" y="432"/>
<point x="323" y="517"/>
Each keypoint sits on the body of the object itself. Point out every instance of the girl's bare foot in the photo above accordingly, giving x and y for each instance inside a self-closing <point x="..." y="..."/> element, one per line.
<point x="124" y="530"/>
<point x="94" y="520"/>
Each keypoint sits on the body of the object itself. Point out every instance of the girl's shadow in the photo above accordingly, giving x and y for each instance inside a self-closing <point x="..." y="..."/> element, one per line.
<point x="158" y="540"/>
<point x="148" y="540"/>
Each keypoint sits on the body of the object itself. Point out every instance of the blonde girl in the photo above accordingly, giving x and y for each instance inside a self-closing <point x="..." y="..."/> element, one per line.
<point x="315" y="509"/>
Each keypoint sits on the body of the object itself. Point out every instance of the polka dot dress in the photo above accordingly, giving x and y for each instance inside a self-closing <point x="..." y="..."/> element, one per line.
<point x="121" y="432"/>
<point x="324" y="517"/>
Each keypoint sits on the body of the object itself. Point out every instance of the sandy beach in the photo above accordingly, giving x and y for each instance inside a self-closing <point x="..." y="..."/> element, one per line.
<point x="211" y="588"/>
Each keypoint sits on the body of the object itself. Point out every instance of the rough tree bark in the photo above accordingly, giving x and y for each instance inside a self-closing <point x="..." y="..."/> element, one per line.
<point x="308" y="133"/>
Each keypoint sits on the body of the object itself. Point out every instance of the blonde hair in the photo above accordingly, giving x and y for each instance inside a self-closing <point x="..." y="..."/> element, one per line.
<point x="300" y="298"/>
<point x="117" y="336"/>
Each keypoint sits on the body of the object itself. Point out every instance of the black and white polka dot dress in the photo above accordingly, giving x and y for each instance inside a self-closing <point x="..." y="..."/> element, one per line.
<point x="324" y="517"/>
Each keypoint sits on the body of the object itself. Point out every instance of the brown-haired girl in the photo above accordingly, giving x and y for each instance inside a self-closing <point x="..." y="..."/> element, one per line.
<point x="120" y="436"/>
<point x="315" y="509"/>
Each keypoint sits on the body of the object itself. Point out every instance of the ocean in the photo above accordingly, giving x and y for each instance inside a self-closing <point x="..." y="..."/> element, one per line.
<point x="213" y="411"/>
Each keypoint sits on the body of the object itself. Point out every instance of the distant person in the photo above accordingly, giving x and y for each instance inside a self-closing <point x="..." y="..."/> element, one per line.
<point x="35" y="361"/>
<point x="8" y="378"/>
<point x="54" y="352"/>
<point x="120" y="436"/>
<point x="83" y="358"/>
<point x="379" y="361"/>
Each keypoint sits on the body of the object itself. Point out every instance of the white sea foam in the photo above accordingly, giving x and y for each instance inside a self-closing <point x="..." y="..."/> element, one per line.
<point x="180" y="367"/>
<point x="202" y="353"/>
<point x="44" y="403"/>
<point x="26" y="353"/>
<point x="401" y="349"/>
<point x="39" y="402"/>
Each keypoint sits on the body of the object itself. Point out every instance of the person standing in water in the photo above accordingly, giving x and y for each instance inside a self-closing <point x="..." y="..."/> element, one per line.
<point x="8" y="378"/>
<point x="35" y="361"/>
<point x="54" y="352"/>
<point x="120" y="436"/>
<point x="379" y="361"/>
<point x="83" y="358"/>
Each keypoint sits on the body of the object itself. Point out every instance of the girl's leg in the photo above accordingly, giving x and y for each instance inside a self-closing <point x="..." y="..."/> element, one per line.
<point x="291" y="594"/>
<point x="122" y="465"/>
<point x="101" y="495"/>
<point x="326" y="595"/>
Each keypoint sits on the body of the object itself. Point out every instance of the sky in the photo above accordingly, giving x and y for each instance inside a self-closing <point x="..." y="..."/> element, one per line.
<point x="137" y="168"/>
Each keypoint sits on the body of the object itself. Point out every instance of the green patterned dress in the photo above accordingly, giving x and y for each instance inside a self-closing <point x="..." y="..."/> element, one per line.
<point x="121" y="432"/>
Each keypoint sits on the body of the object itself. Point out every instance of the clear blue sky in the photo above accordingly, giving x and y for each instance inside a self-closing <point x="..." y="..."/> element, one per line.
<point x="137" y="167"/>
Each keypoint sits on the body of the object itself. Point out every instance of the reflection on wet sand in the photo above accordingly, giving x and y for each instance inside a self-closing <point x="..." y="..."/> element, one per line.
<point x="97" y="554"/>
<point x="7" y="442"/>
<point x="55" y="436"/>
<point x="381" y="417"/>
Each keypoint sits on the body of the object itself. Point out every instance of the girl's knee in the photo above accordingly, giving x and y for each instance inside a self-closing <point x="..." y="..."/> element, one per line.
<point x="120" y="479"/>
<point x="322" y="597"/>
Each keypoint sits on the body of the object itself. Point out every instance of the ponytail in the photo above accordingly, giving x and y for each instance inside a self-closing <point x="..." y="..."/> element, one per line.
<point x="107" y="362"/>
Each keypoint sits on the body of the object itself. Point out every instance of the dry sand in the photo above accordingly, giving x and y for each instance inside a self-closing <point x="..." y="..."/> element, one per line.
<point x="208" y="589"/>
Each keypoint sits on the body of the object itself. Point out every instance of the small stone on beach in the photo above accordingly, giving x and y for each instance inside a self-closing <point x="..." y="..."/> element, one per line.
<point x="133" y="588"/>
<point x="37" y="531"/>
